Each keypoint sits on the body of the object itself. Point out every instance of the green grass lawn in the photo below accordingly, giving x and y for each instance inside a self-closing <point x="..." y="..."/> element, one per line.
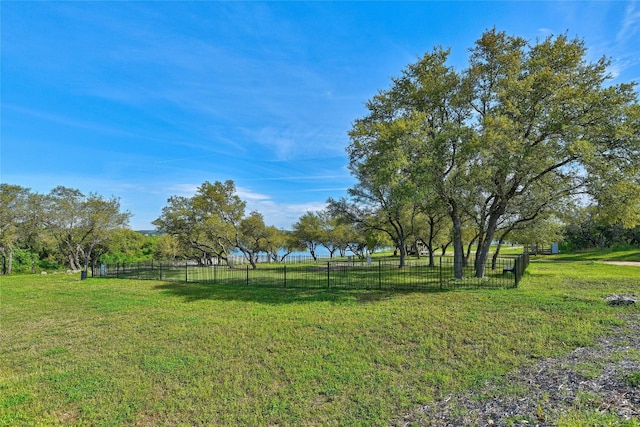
<point x="609" y="254"/>
<point x="138" y="352"/>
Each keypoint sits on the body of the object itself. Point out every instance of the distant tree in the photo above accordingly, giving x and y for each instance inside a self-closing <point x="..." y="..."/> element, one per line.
<point x="80" y="223"/>
<point x="364" y="242"/>
<point x="213" y="223"/>
<point x="13" y="204"/>
<point x="187" y="227"/>
<point x="585" y="228"/>
<point x="342" y="236"/>
<point x="125" y="245"/>
<point x="282" y="243"/>
<point x="254" y="237"/>
<point x="167" y="247"/>
<point x="274" y="241"/>
<point x="616" y="197"/>
<point x="376" y="240"/>
<point x="32" y="228"/>
<point x="432" y="228"/>
<point x="309" y="231"/>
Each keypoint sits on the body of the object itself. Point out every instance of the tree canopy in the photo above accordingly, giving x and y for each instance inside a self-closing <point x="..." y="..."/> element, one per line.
<point x="523" y="122"/>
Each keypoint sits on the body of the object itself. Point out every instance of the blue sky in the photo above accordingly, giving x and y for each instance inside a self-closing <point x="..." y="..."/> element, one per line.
<point x="145" y="100"/>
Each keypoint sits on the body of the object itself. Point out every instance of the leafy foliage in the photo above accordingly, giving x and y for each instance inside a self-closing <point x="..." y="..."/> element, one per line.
<point x="80" y="223"/>
<point x="523" y="128"/>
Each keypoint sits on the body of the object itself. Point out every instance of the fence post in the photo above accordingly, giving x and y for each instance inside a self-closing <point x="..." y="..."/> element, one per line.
<point x="247" y="275"/>
<point x="160" y="270"/>
<point x="440" y="272"/>
<point x="186" y="272"/>
<point x="516" y="270"/>
<point x="328" y="275"/>
<point x="380" y="274"/>
<point x="215" y="276"/>
<point x="138" y="270"/>
<point x="285" y="275"/>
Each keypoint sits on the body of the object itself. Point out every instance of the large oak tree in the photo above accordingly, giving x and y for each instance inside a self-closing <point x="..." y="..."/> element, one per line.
<point x="522" y="118"/>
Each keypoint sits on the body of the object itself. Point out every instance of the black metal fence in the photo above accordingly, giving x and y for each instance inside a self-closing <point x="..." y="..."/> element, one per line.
<point x="345" y="273"/>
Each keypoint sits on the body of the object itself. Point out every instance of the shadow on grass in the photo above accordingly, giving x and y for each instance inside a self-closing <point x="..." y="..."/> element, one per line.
<point x="195" y="291"/>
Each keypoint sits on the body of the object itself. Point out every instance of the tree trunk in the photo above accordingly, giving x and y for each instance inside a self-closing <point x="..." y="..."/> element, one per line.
<point x="227" y="261"/>
<point x="468" y="254"/>
<point x="483" y="252"/>
<point x="430" y="243"/>
<point x="33" y="262"/>
<point x="72" y="263"/>
<point x="7" y="259"/>
<point x="458" y="248"/>
<point x="283" y="256"/>
<point x="444" y="247"/>
<point x="402" y="247"/>
<point x="10" y="260"/>
<point x="494" y="259"/>
<point x="86" y="257"/>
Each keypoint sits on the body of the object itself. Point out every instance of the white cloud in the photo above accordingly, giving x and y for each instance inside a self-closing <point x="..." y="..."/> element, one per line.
<point x="299" y="141"/>
<point x="186" y="190"/>
<point x="283" y="215"/>
<point x="545" y="32"/>
<point x="630" y="23"/>
<point x="249" y="195"/>
<point x="66" y="121"/>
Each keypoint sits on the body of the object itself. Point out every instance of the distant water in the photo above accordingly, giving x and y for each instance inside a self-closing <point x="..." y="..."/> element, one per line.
<point x="320" y="252"/>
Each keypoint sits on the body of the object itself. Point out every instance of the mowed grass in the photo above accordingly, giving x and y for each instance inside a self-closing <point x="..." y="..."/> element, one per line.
<point x="129" y="352"/>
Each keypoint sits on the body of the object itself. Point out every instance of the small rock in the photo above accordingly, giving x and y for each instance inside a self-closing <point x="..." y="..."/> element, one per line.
<point x="620" y="300"/>
<point x="43" y="273"/>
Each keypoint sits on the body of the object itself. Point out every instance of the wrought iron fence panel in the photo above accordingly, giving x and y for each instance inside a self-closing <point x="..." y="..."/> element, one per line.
<point x="349" y="273"/>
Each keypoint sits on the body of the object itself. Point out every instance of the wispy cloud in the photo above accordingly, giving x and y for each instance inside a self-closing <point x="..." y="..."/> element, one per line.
<point x="249" y="195"/>
<point x="65" y="120"/>
<point x="283" y="215"/>
<point x="323" y="190"/>
<point x="311" y="177"/>
<point x="185" y="190"/>
<point x="297" y="141"/>
<point x="630" y="23"/>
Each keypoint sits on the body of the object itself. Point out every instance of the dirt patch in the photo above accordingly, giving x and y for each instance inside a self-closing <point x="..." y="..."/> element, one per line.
<point x="634" y="263"/>
<point x="604" y="379"/>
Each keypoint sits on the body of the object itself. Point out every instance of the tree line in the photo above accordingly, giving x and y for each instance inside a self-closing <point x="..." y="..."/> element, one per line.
<point x="510" y="148"/>
<point x="64" y="226"/>
<point x="68" y="228"/>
